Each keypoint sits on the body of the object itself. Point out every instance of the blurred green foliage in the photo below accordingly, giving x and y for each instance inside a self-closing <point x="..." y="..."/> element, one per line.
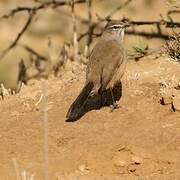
<point x="138" y="51"/>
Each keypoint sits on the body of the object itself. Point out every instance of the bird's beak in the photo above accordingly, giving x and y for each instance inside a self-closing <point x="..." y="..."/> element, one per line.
<point x="127" y="25"/>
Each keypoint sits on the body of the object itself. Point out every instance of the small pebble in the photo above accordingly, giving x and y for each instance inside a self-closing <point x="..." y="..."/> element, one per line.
<point x="120" y="163"/>
<point x="136" y="159"/>
<point x="176" y="103"/>
<point x="83" y="168"/>
<point x="166" y="100"/>
<point x="132" y="169"/>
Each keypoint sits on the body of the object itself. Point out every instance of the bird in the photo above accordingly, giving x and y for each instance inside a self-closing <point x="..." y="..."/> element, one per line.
<point x="105" y="68"/>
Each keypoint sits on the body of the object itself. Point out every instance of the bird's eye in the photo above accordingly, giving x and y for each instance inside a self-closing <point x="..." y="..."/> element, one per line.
<point x="115" y="27"/>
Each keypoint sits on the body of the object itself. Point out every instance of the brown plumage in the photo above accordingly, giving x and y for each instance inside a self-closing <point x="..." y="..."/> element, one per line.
<point x="106" y="66"/>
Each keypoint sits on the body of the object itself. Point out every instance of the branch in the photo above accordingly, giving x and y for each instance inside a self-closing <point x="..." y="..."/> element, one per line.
<point x="13" y="44"/>
<point x="52" y="4"/>
<point x="167" y="24"/>
<point x="33" y="52"/>
<point x="173" y="12"/>
<point x="159" y="34"/>
<point x="168" y="14"/>
<point x="90" y="28"/>
<point x="118" y="8"/>
<point x="148" y="34"/>
<point x="142" y="33"/>
<point x="16" y="10"/>
<point x="31" y="12"/>
<point x="69" y="15"/>
<point x="133" y="32"/>
<point x="75" y="42"/>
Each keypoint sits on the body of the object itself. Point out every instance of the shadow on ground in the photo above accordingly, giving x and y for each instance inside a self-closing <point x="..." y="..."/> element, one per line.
<point x="97" y="101"/>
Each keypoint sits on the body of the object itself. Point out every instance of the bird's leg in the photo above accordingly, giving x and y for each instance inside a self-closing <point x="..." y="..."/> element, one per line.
<point x="115" y="104"/>
<point x="100" y="99"/>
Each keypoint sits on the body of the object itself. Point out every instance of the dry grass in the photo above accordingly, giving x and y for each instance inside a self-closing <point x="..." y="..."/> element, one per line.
<point x="172" y="47"/>
<point x="22" y="175"/>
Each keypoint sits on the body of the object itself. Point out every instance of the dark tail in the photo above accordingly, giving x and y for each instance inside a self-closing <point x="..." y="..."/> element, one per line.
<point x="76" y="107"/>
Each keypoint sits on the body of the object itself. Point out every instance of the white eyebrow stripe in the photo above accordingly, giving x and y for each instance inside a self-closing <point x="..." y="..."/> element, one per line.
<point x="116" y="25"/>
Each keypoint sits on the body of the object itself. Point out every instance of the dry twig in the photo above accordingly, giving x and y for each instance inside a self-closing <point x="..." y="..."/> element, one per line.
<point x="121" y="6"/>
<point x="90" y="29"/>
<point x="43" y="5"/>
<point x="75" y="42"/>
<point x="31" y="12"/>
<point x="172" y="47"/>
<point x="24" y="28"/>
<point x="33" y="52"/>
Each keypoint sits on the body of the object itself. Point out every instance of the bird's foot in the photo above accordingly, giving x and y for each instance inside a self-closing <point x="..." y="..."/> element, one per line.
<point x="114" y="106"/>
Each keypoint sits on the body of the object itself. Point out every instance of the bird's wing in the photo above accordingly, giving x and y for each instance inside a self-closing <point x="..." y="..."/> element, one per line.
<point x="113" y="61"/>
<point x="104" y="60"/>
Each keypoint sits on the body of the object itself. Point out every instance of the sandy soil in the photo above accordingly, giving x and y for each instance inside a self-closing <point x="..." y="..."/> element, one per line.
<point x="138" y="141"/>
